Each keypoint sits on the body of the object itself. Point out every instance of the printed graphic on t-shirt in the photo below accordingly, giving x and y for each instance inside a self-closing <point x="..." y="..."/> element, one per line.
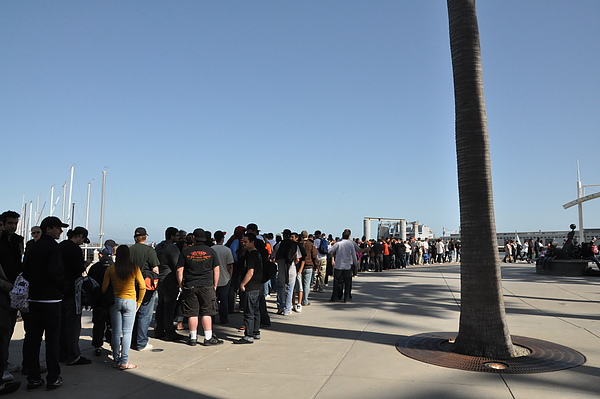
<point x="198" y="256"/>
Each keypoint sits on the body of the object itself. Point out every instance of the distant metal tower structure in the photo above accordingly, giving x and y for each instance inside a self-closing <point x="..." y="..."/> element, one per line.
<point x="581" y="198"/>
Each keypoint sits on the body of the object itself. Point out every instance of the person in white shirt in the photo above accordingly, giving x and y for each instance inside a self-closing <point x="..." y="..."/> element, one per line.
<point x="344" y="257"/>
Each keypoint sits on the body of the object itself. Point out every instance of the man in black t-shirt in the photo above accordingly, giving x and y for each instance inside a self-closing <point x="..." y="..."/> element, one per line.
<point x="251" y="285"/>
<point x="198" y="276"/>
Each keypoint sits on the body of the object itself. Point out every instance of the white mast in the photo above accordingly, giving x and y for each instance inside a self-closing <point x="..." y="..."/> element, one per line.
<point x="64" y="202"/>
<point x="52" y="201"/>
<point x="580" y="204"/>
<point x="102" y="208"/>
<point x="87" y="208"/>
<point x="69" y="221"/>
<point x="21" y="226"/>
<point x="72" y="217"/>
<point x="87" y="217"/>
<point x="30" y="216"/>
<point x="37" y="210"/>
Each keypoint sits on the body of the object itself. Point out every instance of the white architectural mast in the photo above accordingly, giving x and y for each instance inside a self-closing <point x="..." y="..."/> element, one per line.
<point x="581" y="198"/>
<point x="64" y="201"/>
<point x="69" y="221"/>
<point x="87" y="208"/>
<point x="102" y="208"/>
<point x="52" y="201"/>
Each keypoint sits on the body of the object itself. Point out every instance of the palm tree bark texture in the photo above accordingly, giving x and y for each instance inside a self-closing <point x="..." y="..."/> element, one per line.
<point x="483" y="330"/>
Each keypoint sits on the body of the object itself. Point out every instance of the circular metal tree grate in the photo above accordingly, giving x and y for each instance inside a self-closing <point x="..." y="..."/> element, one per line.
<point x="434" y="348"/>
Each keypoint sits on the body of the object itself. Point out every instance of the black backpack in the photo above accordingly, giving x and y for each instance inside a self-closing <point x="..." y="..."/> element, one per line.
<point x="269" y="271"/>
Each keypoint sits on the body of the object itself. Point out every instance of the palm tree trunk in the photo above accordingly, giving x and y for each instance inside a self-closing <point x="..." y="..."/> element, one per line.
<point x="483" y="330"/>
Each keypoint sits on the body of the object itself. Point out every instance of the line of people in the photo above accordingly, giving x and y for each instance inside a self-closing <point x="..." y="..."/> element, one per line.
<point x="391" y="253"/>
<point x="194" y="276"/>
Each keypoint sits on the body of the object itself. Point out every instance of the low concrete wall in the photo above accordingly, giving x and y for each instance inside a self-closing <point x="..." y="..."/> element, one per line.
<point x="563" y="267"/>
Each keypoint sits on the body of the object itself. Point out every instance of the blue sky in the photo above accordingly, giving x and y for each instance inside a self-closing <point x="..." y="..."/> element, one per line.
<point x="301" y="115"/>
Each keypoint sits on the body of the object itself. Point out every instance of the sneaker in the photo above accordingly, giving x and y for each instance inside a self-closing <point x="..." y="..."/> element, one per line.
<point x="97" y="352"/>
<point x="146" y="348"/>
<point x="55" y="385"/>
<point x="192" y="342"/>
<point x="213" y="341"/>
<point x="9" y="387"/>
<point x="11" y="368"/>
<point x="286" y="313"/>
<point x="7" y="376"/>
<point x="256" y="336"/>
<point x="35" y="384"/>
<point x="280" y="311"/>
<point x="245" y="340"/>
<point x="80" y="361"/>
<point x="298" y="308"/>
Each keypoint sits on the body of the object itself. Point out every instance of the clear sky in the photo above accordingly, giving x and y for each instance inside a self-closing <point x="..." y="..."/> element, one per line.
<point x="292" y="114"/>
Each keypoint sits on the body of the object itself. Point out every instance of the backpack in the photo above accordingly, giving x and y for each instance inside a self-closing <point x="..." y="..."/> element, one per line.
<point x="84" y="292"/>
<point x="269" y="271"/>
<point x="19" y="295"/>
<point x="323" y="246"/>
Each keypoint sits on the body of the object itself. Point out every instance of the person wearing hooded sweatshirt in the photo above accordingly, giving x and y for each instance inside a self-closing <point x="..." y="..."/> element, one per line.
<point x="100" y="318"/>
<point x="70" y="327"/>
<point x="168" y="289"/>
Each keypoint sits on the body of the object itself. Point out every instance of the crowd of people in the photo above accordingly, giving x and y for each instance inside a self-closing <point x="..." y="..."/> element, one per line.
<point x="532" y="250"/>
<point x="187" y="281"/>
<point x="392" y="253"/>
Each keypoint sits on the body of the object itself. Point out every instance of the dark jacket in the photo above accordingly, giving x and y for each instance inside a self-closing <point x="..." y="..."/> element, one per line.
<point x="73" y="264"/>
<point x="168" y="255"/>
<point x="11" y="252"/>
<point x="43" y="269"/>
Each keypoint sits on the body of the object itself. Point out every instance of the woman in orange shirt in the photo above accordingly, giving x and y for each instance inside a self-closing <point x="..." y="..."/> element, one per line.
<point x="123" y="276"/>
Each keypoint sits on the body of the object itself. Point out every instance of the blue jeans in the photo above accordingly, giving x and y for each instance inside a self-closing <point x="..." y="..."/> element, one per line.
<point x="252" y="314"/>
<point x="306" y="279"/>
<point x="143" y="320"/>
<point x="285" y="292"/>
<point x="122" y="317"/>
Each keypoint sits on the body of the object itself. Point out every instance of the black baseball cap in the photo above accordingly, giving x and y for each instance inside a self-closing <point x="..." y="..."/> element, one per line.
<point x="219" y="235"/>
<point x="200" y="234"/>
<point x="140" y="231"/>
<point x="51" y="221"/>
<point x="83" y="231"/>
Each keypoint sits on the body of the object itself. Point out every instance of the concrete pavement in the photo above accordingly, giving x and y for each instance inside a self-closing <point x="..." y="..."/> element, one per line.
<point x="337" y="350"/>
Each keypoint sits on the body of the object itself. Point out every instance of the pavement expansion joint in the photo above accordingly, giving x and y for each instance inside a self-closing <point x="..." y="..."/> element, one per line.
<point x="435" y="348"/>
